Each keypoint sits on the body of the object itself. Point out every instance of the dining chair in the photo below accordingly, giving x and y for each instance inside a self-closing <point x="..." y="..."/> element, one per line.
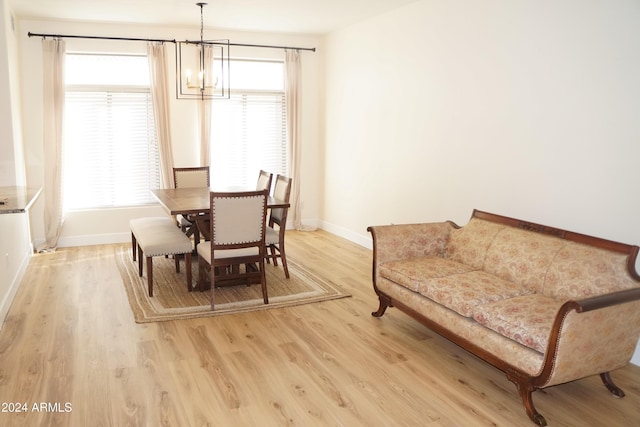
<point x="274" y="234"/>
<point x="237" y="228"/>
<point x="189" y="178"/>
<point x="264" y="181"/>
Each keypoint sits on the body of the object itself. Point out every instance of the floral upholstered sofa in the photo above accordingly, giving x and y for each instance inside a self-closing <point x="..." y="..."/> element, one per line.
<point x="544" y="305"/>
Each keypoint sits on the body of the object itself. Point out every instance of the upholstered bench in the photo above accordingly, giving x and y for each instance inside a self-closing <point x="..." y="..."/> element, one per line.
<point x="156" y="236"/>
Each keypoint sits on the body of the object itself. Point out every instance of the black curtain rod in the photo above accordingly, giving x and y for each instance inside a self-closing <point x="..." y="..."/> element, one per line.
<point x="66" y="36"/>
<point x="312" y="49"/>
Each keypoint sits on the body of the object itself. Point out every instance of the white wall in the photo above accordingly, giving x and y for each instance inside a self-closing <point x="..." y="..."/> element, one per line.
<point x="15" y="247"/>
<point x="7" y="164"/>
<point x="11" y="153"/>
<point x="527" y="109"/>
<point x="113" y="225"/>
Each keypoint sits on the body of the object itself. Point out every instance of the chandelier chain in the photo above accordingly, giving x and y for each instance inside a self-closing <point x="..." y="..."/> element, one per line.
<point x="201" y="5"/>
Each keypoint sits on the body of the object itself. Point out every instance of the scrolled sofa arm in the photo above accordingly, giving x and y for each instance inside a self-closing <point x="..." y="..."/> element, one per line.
<point x="404" y="241"/>
<point x="607" y="300"/>
<point x="588" y="338"/>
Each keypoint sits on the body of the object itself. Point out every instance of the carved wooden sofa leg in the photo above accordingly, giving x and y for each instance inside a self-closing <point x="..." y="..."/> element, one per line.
<point x="608" y="382"/>
<point x="525" y="389"/>
<point x="384" y="303"/>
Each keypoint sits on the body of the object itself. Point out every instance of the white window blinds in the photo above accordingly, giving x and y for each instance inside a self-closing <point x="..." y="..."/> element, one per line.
<point x="248" y="134"/>
<point x="110" y="155"/>
<point x="248" y="131"/>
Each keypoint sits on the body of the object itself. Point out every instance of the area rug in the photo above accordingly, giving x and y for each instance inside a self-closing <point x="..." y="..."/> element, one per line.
<point x="171" y="300"/>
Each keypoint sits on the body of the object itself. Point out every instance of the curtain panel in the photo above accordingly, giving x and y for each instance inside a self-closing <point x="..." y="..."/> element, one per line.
<point x="156" y="52"/>
<point x="53" y="113"/>
<point x="293" y="106"/>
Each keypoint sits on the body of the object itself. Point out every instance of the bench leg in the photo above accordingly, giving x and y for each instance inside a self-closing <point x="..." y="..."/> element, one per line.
<point x="134" y="244"/>
<point x="176" y="257"/>
<point x="150" y="275"/>
<point x="139" y="261"/>
<point x="187" y="266"/>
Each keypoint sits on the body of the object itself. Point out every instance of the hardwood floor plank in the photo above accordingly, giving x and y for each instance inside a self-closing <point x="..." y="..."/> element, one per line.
<point x="213" y="364"/>
<point x="70" y="337"/>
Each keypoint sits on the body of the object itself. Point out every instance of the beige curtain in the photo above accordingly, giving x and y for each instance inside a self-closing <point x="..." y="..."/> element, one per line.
<point x="204" y="109"/>
<point x="53" y="113"/>
<point x="156" y="52"/>
<point x="293" y="107"/>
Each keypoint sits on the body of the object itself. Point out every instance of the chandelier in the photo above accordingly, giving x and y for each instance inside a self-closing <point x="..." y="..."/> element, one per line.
<point x="202" y="67"/>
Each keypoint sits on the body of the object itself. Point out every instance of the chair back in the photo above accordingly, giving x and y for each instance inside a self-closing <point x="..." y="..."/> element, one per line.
<point x="191" y="177"/>
<point x="264" y="181"/>
<point x="238" y="219"/>
<point x="282" y="191"/>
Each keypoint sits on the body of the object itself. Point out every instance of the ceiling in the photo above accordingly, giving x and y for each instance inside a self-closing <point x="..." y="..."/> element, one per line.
<point x="288" y="16"/>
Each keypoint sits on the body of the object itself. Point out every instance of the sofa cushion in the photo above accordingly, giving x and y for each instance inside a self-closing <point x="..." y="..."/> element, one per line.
<point x="522" y="256"/>
<point x="410" y="273"/>
<point x="581" y="271"/>
<point x="463" y="292"/>
<point x="525" y="319"/>
<point x="469" y="244"/>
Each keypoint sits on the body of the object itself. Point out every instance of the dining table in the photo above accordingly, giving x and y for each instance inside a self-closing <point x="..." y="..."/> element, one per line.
<point x="195" y="201"/>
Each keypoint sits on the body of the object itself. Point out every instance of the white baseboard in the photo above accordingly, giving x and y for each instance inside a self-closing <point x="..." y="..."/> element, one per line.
<point x="123" y="237"/>
<point x="359" y="239"/>
<point x="91" y="239"/>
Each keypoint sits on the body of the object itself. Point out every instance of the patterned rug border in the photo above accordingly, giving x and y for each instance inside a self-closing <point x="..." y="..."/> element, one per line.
<point x="146" y="309"/>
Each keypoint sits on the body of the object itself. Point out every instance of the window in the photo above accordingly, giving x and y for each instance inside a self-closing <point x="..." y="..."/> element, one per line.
<point x="248" y="131"/>
<point x="110" y="151"/>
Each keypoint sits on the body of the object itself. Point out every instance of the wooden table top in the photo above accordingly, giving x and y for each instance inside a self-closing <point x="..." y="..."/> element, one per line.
<point x="183" y="201"/>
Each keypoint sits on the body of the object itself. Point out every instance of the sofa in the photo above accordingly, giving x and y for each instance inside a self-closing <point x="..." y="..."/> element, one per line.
<point x="544" y="305"/>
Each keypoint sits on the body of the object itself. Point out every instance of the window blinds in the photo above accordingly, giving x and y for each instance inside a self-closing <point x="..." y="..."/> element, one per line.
<point x="110" y="156"/>
<point x="248" y="133"/>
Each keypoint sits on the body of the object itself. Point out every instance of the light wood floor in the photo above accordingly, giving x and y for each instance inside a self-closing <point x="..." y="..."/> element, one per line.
<point x="70" y="342"/>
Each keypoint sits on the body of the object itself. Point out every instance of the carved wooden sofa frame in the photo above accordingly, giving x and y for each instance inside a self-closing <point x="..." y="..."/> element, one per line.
<point x="526" y="384"/>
